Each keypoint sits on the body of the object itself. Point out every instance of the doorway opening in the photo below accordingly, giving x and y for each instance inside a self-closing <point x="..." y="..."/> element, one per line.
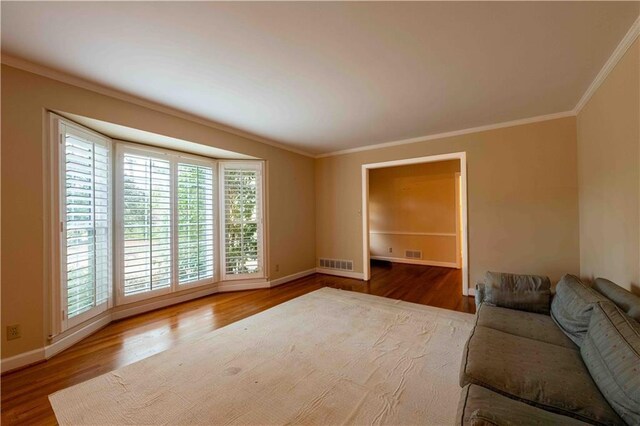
<point x="414" y="211"/>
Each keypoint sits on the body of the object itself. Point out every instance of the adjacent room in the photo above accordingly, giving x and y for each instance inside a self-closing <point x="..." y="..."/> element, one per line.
<point x="265" y="213"/>
<point x="415" y="231"/>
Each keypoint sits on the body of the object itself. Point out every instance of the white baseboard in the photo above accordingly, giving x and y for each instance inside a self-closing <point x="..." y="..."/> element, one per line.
<point x="64" y="341"/>
<point x="125" y="312"/>
<point x="283" y="280"/>
<point x="84" y="331"/>
<point x="225" y="286"/>
<point x="417" y="261"/>
<point x="22" y="360"/>
<point x="339" y="273"/>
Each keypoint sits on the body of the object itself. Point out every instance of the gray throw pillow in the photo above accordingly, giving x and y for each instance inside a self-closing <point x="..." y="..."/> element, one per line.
<point x="611" y="352"/>
<point x="628" y="302"/>
<point x="572" y="306"/>
<point x="531" y="293"/>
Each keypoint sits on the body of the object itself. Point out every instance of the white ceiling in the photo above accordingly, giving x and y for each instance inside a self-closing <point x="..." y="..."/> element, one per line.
<point x="322" y="76"/>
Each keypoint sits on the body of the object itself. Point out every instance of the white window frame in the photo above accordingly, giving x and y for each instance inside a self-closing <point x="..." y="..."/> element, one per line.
<point x="189" y="159"/>
<point x="55" y="213"/>
<point x="248" y="165"/>
<point x="60" y="128"/>
<point x="173" y="157"/>
<point x="121" y="150"/>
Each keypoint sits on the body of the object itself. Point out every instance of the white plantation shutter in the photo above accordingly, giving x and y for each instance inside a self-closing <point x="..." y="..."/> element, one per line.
<point x="242" y="219"/>
<point x="195" y="192"/>
<point x="146" y="224"/>
<point x="180" y="220"/>
<point x="85" y="211"/>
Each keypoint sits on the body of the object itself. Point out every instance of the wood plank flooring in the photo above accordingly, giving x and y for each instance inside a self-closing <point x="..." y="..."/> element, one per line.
<point x="24" y="392"/>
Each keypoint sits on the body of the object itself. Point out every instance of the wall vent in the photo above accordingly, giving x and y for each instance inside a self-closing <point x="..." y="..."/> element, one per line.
<point x="413" y="254"/>
<point x="344" y="265"/>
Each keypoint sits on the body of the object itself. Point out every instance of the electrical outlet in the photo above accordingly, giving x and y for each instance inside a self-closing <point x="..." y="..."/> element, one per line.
<point x="14" y="332"/>
<point x="390" y="249"/>
<point x="277" y="268"/>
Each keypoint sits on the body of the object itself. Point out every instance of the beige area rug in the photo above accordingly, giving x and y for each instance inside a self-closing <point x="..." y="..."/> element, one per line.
<point x="328" y="357"/>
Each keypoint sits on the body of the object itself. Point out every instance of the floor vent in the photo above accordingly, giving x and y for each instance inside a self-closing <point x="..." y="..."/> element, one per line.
<point x="413" y="254"/>
<point x="345" y="265"/>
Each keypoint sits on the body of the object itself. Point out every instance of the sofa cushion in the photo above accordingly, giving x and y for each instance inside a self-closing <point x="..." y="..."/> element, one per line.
<point x="627" y="301"/>
<point x="523" y="292"/>
<point x="572" y="305"/>
<point x="524" y="324"/>
<point x="611" y="351"/>
<point x="479" y="406"/>
<point x="548" y="376"/>
<point x="479" y="296"/>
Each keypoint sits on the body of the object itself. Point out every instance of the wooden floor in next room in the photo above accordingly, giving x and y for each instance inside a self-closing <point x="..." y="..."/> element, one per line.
<point x="24" y="392"/>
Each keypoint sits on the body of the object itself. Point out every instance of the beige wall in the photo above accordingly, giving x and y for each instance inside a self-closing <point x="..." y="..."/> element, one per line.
<point x="414" y="199"/>
<point x="522" y="198"/>
<point x="609" y="176"/>
<point x="25" y="99"/>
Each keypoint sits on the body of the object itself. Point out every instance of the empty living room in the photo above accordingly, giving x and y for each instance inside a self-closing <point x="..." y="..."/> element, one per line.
<point x="320" y="212"/>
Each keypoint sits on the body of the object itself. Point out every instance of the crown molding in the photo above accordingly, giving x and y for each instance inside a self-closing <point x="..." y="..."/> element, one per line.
<point x="502" y="125"/>
<point x="611" y="63"/>
<point x="47" y="72"/>
<point x="618" y="53"/>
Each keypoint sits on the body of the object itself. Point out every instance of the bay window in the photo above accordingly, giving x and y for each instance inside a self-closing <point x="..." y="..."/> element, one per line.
<point x="146" y="221"/>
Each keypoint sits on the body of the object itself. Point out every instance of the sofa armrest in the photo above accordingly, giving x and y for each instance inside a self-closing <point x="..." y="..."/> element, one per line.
<point x="531" y="293"/>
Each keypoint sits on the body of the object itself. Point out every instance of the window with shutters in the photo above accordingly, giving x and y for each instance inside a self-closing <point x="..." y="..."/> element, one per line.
<point x="242" y="220"/>
<point x="137" y="222"/>
<point x="196" y="236"/>
<point x="146" y="224"/>
<point x="85" y="214"/>
<point x="165" y="221"/>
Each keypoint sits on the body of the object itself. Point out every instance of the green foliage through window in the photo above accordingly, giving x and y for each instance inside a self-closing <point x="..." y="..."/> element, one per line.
<point x="195" y="223"/>
<point x="242" y="220"/>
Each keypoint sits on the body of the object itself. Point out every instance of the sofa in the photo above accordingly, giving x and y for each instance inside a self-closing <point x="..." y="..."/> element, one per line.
<point x="533" y="357"/>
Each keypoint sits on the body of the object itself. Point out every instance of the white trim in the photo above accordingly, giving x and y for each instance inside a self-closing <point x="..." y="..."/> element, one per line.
<point x="458" y="211"/>
<point x="472" y="291"/>
<point x="608" y="66"/>
<point x="238" y="285"/>
<point x="259" y="167"/>
<point x="420" y="234"/>
<point x="364" y="212"/>
<point x="417" y="261"/>
<point x="425" y="138"/>
<point x="462" y="156"/>
<point x="79" y="82"/>
<point x="61" y="343"/>
<point x="615" y="57"/>
<point x="22" y="360"/>
<point x="286" y="279"/>
<point x="60" y="127"/>
<point x="126" y="311"/>
<point x="339" y="273"/>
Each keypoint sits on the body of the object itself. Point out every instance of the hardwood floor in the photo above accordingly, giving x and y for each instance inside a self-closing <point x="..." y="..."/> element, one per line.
<point x="24" y="392"/>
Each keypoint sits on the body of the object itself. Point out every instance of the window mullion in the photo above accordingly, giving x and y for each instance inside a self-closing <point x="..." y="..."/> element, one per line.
<point x="198" y="221"/>
<point x="175" y="261"/>
<point x="150" y="224"/>
<point x="93" y="223"/>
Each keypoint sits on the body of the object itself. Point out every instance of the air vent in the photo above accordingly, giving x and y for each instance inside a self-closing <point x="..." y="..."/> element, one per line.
<point x="413" y="254"/>
<point x="344" y="265"/>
